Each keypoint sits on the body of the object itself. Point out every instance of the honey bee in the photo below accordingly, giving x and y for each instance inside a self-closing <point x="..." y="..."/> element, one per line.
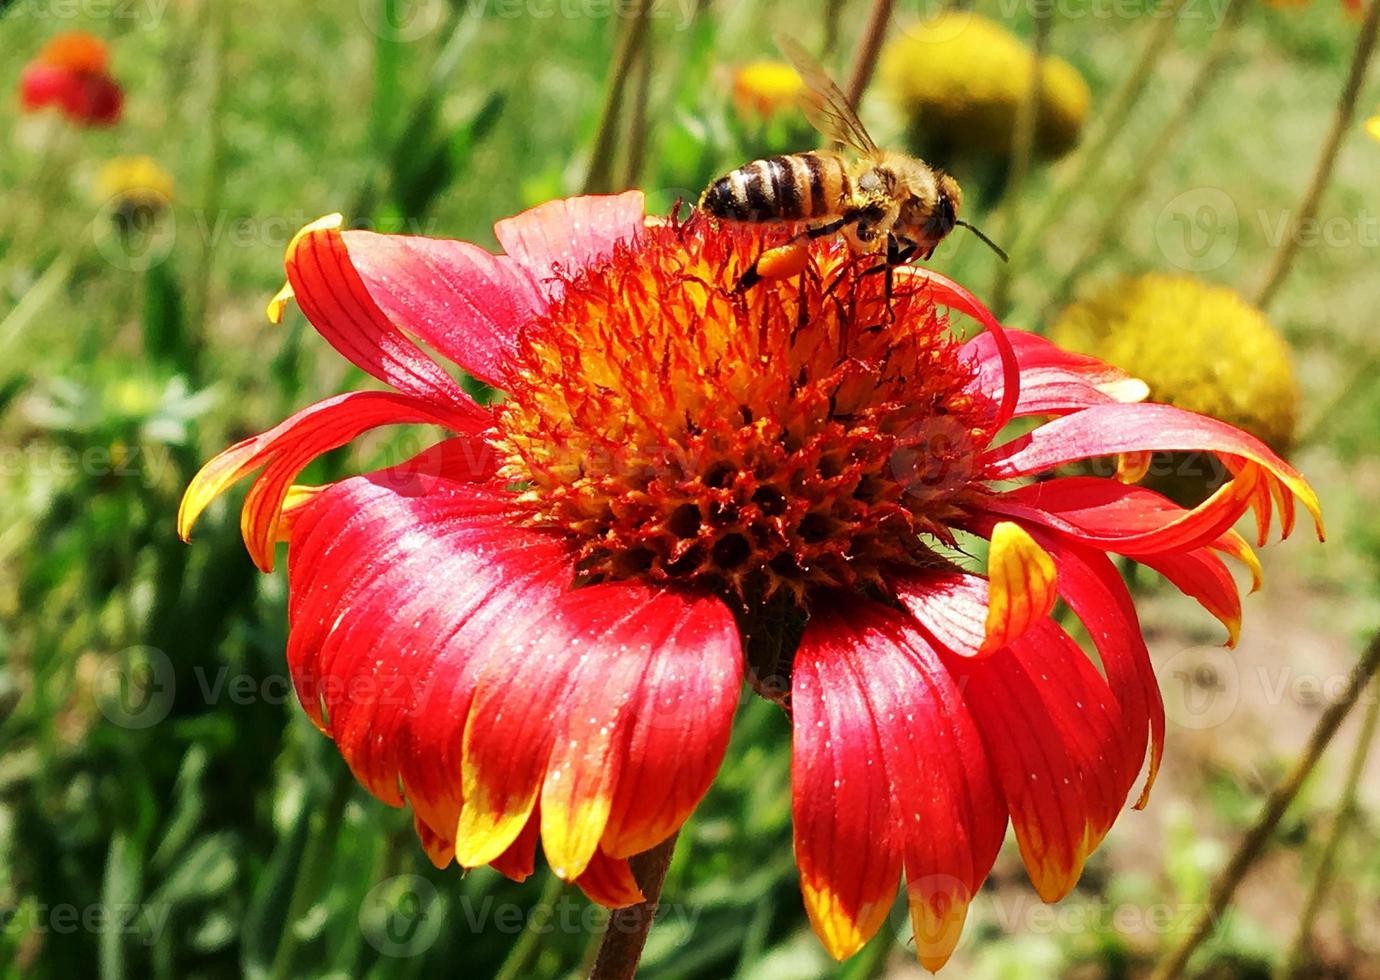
<point x="883" y="200"/>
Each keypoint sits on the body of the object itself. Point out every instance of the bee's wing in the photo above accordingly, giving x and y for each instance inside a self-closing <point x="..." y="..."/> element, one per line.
<point x="827" y="109"/>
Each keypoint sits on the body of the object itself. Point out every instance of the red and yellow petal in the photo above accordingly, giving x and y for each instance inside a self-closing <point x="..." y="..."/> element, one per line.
<point x="323" y="278"/>
<point x="417" y="610"/>
<point x="1021" y="586"/>
<point x="286" y="449"/>
<point x="969" y="616"/>
<point x="1106" y="430"/>
<point x="1058" y="745"/>
<point x="888" y="772"/>
<point x="1097" y="595"/>
<point x="459" y="299"/>
<point x="554" y="722"/>
<point x="1130" y="520"/>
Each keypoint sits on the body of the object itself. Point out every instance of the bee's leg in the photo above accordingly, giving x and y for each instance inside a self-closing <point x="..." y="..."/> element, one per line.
<point x="756" y="273"/>
<point x="830" y="227"/>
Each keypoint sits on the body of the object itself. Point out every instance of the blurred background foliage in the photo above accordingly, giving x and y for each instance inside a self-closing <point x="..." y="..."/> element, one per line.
<point x="165" y="808"/>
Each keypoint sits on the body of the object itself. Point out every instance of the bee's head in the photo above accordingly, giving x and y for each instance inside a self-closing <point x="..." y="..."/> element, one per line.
<point x="931" y="210"/>
<point x="948" y="199"/>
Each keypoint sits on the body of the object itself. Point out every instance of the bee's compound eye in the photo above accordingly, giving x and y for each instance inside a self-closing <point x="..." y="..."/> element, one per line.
<point x="869" y="181"/>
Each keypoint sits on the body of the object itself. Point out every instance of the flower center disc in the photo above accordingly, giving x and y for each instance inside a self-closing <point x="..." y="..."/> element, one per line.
<point x="792" y="435"/>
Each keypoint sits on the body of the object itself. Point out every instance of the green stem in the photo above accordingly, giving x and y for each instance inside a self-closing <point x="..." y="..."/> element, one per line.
<point x="1114" y="216"/>
<point x="218" y="25"/>
<point x="1103" y="132"/>
<point x="1307" y="207"/>
<point x="833" y="12"/>
<point x="1341" y="821"/>
<point x="631" y="36"/>
<point x="1022" y="148"/>
<point x="1253" y="844"/>
<point x="636" y="149"/>
<point x="621" y="949"/>
<point x="316" y="858"/>
<point x="869" y="47"/>
<point x="515" y="963"/>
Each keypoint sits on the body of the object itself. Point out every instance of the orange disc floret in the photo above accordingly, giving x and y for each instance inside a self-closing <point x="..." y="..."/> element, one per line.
<point x="681" y="428"/>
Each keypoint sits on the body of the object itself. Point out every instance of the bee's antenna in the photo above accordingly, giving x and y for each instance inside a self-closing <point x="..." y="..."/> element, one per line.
<point x="987" y="241"/>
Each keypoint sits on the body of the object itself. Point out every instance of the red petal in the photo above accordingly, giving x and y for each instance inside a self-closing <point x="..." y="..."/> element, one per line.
<point x="466" y="303"/>
<point x="967" y="615"/>
<point x="887" y="769"/>
<point x="292" y="444"/>
<point x="1110" y="429"/>
<point x="1096" y="594"/>
<point x="671" y="747"/>
<point x="572" y="712"/>
<point x="333" y="294"/>
<point x="1201" y="574"/>
<point x="948" y="293"/>
<point x="562" y="237"/>
<point x="1059" y="747"/>
<point x="609" y="882"/>
<point x="397" y="600"/>
<point x="1129" y="520"/>
<point x="950" y="607"/>
<point x="1053" y="381"/>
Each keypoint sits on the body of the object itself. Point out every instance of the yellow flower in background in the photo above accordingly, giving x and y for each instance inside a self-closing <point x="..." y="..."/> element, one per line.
<point x="1373" y="126"/>
<point x="961" y="78"/>
<point x="763" y="88"/>
<point x="1198" y="347"/>
<point x="135" y="189"/>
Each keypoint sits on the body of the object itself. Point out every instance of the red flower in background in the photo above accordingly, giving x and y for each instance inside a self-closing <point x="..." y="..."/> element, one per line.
<point x="72" y="73"/>
<point x="537" y="627"/>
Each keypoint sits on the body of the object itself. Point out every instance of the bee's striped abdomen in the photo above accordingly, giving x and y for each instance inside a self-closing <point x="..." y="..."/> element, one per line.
<point x="798" y="187"/>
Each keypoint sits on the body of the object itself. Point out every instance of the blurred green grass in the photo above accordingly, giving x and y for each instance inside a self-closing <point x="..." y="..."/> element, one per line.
<point x="157" y="780"/>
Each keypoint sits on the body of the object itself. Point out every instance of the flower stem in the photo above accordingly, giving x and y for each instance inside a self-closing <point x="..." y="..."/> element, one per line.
<point x="1103" y="133"/>
<point x="515" y="963"/>
<point x="1022" y="149"/>
<point x="316" y="860"/>
<point x="1341" y="821"/>
<point x="1253" y="844"/>
<point x="1308" y="206"/>
<point x="218" y="27"/>
<point x="631" y="36"/>
<point x="621" y="949"/>
<point x="1108" y="232"/>
<point x="636" y="149"/>
<point x="869" y="47"/>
